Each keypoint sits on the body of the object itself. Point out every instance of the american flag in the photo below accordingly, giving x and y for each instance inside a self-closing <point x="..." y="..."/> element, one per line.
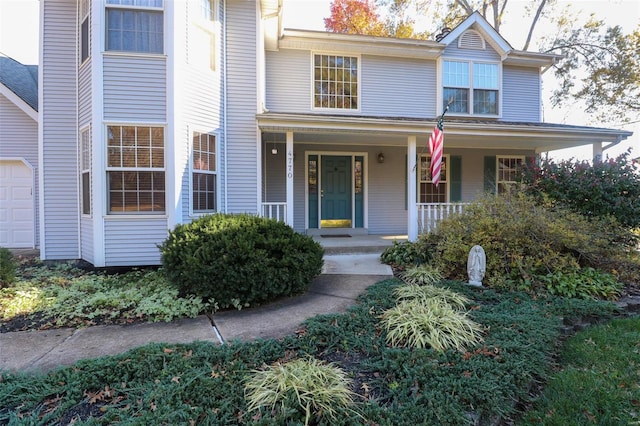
<point x="436" y="142"/>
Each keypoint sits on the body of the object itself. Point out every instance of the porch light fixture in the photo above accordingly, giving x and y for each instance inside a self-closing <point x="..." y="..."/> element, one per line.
<point x="381" y="158"/>
<point x="274" y="150"/>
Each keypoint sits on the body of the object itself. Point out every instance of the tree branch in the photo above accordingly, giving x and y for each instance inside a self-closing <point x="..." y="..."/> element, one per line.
<point x="533" y="24"/>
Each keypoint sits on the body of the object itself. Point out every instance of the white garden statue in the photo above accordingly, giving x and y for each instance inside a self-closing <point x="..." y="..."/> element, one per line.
<point x="476" y="265"/>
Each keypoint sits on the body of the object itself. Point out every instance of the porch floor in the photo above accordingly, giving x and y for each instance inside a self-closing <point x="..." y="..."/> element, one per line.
<point x="357" y="243"/>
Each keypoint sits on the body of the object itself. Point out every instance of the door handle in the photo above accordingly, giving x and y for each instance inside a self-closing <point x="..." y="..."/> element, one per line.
<point x="321" y="193"/>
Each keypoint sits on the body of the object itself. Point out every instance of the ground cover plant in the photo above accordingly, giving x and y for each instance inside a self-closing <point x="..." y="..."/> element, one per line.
<point x="205" y="384"/>
<point x="63" y="295"/>
<point x="240" y="260"/>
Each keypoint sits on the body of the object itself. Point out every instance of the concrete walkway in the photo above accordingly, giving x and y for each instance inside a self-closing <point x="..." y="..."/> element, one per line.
<point x="343" y="279"/>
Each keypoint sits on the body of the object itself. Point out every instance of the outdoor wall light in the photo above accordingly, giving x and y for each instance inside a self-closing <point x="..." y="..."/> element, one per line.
<point x="381" y="158"/>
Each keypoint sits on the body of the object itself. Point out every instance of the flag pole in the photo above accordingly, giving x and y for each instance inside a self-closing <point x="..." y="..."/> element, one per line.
<point x="439" y="120"/>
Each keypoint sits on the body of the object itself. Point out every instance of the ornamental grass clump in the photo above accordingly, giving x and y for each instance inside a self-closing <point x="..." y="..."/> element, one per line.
<point x="303" y="388"/>
<point x="425" y="293"/>
<point x="422" y="275"/>
<point x="431" y="323"/>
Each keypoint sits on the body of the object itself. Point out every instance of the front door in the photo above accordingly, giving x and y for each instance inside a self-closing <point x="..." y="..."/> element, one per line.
<point x="335" y="192"/>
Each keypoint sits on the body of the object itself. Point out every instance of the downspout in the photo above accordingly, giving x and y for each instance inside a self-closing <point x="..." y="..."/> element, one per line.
<point x="224" y="104"/>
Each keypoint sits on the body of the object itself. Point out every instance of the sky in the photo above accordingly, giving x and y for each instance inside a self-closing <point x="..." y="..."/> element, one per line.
<point x="19" y="40"/>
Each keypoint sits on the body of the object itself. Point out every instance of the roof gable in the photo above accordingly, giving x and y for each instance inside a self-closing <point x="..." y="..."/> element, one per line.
<point x="21" y="80"/>
<point x="477" y="22"/>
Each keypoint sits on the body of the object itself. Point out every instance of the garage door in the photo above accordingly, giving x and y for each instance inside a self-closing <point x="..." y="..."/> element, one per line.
<point x="16" y="205"/>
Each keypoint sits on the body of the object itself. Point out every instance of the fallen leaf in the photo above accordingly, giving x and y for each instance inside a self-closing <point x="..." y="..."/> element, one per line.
<point x="176" y="379"/>
<point x="168" y="351"/>
<point x="187" y="354"/>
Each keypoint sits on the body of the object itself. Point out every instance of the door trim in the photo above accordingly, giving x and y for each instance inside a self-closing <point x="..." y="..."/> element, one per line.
<point x="365" y="184"/>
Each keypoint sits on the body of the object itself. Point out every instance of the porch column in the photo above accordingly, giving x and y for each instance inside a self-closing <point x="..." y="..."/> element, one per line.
<point x="289" y="168"/>
<point x="597" y="152"/>
<point x="412" y="208"/>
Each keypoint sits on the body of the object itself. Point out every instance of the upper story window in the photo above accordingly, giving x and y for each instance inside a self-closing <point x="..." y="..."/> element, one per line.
<point x="135" y="26"/>
<point x="473" y="86"/>
<point x="85" y="8"/>
<point x="335" y="81"/>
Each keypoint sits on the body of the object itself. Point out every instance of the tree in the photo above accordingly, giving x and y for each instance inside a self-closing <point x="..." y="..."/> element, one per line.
<point x="355" y="17"/>
<point x="600" y="65"/>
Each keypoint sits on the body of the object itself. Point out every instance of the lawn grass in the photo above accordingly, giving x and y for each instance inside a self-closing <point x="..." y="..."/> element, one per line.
<point x="599" y="379"/>
<point x="202" y="383"/>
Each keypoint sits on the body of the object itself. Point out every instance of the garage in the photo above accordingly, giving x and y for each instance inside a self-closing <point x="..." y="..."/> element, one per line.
<point x="16" y="205"/>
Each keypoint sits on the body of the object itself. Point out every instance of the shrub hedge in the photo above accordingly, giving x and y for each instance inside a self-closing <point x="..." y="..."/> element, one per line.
<point x="240" y="260"/>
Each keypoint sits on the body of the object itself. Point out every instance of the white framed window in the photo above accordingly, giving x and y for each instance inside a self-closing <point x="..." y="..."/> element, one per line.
<point x="507" y="168"/>
<point x="208" y="10"/>
<point x="135" y="169"/>
<point x="474" y="87"/>
<point x="427" y="191"/>
<point x="204" y="173"/>
<point x="135" y="26"/>
<point x="85" y="170"/>
<point x="335" y="81"/>
<point x="85" y="48"/>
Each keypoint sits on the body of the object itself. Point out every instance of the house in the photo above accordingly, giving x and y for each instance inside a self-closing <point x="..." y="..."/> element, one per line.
<point x="18" y="154"/>
<point x="154" y="112"/>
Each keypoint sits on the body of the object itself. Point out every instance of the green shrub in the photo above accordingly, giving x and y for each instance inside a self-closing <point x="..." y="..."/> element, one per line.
<point x="524" y="241"/>
<point x="586" y="283"/>
<point x="301" y="389"/>
<point x="406" y="253"/>
<point x="606" y="188"/>
<point x="7" y="267"/>
<point x="240" y="260"/>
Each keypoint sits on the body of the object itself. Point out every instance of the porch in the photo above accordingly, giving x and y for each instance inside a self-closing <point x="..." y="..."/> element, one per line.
<point x="428" y="216"/>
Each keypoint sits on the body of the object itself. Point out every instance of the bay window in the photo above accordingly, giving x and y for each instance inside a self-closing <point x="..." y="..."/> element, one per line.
<point x="204" y="173"/>
<point x="135" y="169"/>
<point x="135" y="26"/>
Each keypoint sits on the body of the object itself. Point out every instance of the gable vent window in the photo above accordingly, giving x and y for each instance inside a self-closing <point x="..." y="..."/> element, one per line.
<point x="471" y="40"/>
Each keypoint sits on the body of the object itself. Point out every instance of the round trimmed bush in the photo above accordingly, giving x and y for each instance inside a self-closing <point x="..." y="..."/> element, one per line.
<point x="240" y="260"/>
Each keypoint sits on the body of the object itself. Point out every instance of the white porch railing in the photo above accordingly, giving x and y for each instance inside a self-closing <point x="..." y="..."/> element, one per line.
<point x="429" y="214"/>
<point x="277" y="211"/>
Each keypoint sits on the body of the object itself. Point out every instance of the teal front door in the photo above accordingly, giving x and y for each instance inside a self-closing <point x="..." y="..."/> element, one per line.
<point x="335" y="192"/>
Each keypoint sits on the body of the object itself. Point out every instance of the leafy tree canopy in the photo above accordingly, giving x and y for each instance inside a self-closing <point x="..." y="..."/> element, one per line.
<point x="600" y="66"/>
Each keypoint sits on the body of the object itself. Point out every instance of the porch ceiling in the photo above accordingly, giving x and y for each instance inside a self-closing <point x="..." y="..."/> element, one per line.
<point x="386" y="131"/>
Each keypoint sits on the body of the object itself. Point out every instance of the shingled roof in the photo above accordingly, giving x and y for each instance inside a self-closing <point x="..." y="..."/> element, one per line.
<point x="20" y="79"/>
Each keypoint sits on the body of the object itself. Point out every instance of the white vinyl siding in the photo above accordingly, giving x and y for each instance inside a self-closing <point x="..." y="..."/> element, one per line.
<point x="521" y="95"/>
<point x="133" y="242"/>
<point x="242" y="92"/>
<point x="390" y="87"/>
<point x="58" y="115"/>
<point x="84" y="93"/>
<point x="135" y="88"/>
<point x="19" y="139"/>
<point x="86" y="239"/>
<point x="201" y="104"/>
